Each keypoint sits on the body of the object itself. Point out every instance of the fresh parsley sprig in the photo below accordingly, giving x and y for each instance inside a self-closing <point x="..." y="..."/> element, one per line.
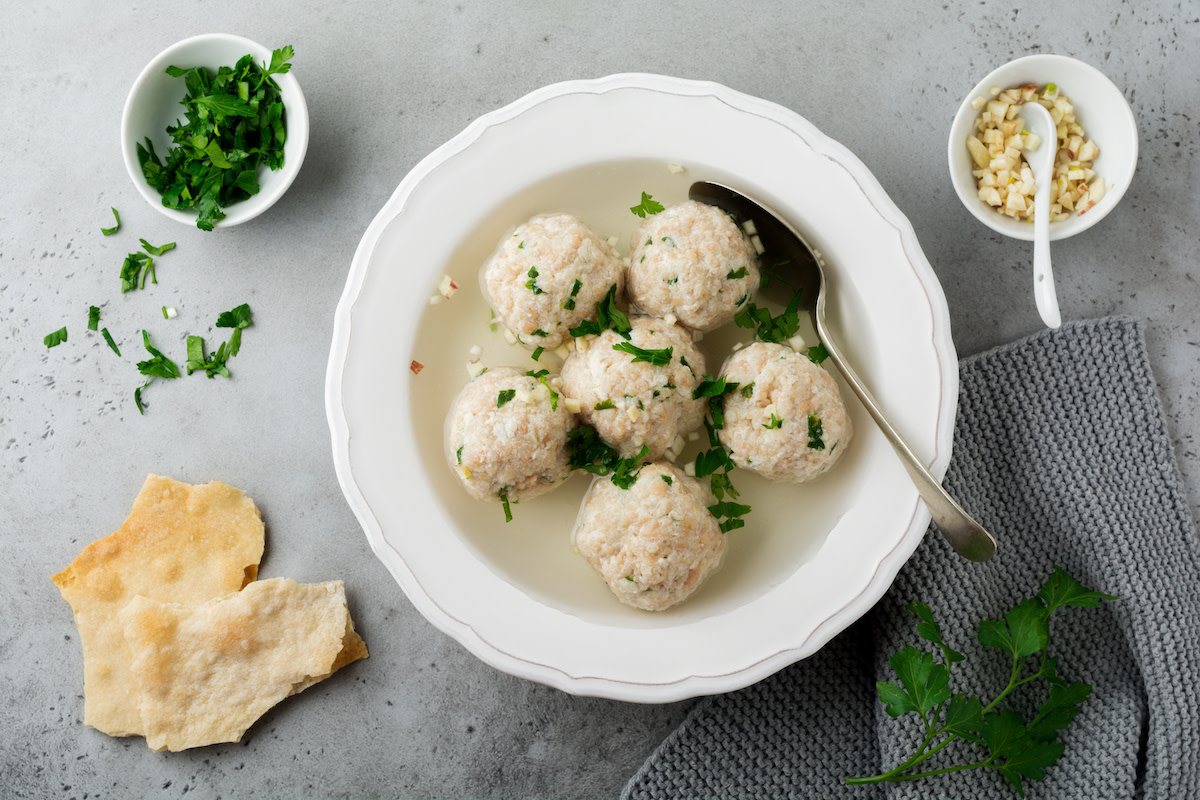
<point x="1015" y="747"/>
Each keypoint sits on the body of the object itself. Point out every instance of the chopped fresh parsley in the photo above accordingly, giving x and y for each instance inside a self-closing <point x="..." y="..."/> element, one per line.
<point x="543" y="376"/>
<point x="503" y="495"/>
<point x="771" y="328"/>
<point x="458" y="454"/>
<point x="569" y="303"/>
<point x="137" y="267"/>
<point x="55" y="338"/>
<point x="816" y="432"/>
<point x="505" y="396"/>
<point x="817" y="353"/>
<point x="737" y="274"/>
<point x="213" y="365"/>
<point x="157" y="366"/>
<point x="93" y="318"/>
<point x="607" y="316"/>
<point x="668" y="480"/>
<point x="236" y="318"/>
<point x="668" y="240"/>
<point x="537" y="353"/>
<point x="116" y="226"/>
<point x="235" y="124"/>
<point x="531" y="284"/>
<point x="109" y="339"/>
<point x="648" y="206"/>
<point x="657" y="358"/>
<point x="156" y="251"/>
<point x="604" y="404"/>
<point x="588" y="452"/>
<point x="775" y="422"/>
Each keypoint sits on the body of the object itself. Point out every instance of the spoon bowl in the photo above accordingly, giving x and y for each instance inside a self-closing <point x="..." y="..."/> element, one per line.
<point x="1041" y="162"/>
<point x="806" y="273"/>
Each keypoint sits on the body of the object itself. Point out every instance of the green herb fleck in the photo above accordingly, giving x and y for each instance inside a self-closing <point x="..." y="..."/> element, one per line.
<point x="93" y="318"/>
<point x="134" y="271"/>
<point x="55" y="338"/>
<point x="503" y="495"/>
<point x="737" y="274"/>
<point x="109" y="339"/>
<point x="569" y="303"/>
<point x="667" y="479"/>
<point x="816" y="432"/>
<point x="775" y="422"/>
<point x="770" y="328"/>
<point x="817" y="353"/>
<point x="458" y="454"/>
<point x="156" y="251"/>
<point x="505" y="396"/>
<point x="531" y="284"/>
<point x="537" y="352"/>
<point x="607" y="316"/>
<point x="657" y="358"/>
<point x="604" y="404"/>
<point x="116" y="227"/>
<point x="157" y="366"/>
<point x="648" y="206"/>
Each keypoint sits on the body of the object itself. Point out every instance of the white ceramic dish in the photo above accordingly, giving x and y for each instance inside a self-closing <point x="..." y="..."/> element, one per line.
<point x="1100" y="108"/>
<point x="153" y="104"/>
<point x="811" y="560"/>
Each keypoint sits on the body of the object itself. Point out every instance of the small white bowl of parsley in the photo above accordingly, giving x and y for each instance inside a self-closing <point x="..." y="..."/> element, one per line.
<point x="215" y="129"/>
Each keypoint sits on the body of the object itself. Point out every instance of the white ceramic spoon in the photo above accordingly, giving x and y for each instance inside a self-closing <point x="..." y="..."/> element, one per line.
<point x="1041" y="161"/>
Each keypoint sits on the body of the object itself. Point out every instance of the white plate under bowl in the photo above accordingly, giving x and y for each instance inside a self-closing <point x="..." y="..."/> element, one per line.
<point x="811" y="559"/>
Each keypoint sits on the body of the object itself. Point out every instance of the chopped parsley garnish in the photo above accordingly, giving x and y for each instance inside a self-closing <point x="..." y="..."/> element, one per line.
<point x="668" y="240"/>
<point x="737" y="274"/>
<point x="156" y="251"/>
<point x="116" y="227"/>
<point x="668" y="480"/>
<point x="748" y="390"/>
<point x="505" y="396"/>
<point x="55" y="338"/>
<point x="569" y="303"/>
<point x="815" y="433"/>
<point x="109" y="339"/>
<point x="588" y="452"/>
<point x="713" y="389"/>
<point x="134" y="271"/>
<point x="537" y="352"/>
<point x="657" y="358"/>
<point x="93" y="318"/>
<point x="197" y="360"/>
<point x="458" y="454"/>
<point x="648" y="206"/>
<point x="817" y="353"/>
<point x="157" y="366"/>
<point x="715" y="463"/>
<point x="236" y="318"/>
<point x="608" y="315"/>
<point x="768" y="328"/>
<point x="543" y="376"/>
<point x="236" y="123"/>
<point x="775" y="422"/>
<point x="503" y="495"/>
<point x="531" y="284"/>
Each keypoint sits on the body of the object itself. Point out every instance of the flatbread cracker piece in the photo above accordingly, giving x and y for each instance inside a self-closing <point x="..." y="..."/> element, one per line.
<point x="181" y="543"/>
<point x="208" y="672"/>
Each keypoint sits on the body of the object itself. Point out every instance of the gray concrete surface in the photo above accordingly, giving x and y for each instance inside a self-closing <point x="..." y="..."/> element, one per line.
<point x="386" y="83"/>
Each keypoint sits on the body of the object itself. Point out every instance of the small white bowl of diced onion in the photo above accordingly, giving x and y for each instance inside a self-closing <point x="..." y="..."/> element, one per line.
<point x="1097" y="146"/>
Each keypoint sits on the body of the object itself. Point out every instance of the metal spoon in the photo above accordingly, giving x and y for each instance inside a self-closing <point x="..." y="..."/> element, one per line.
<point x="965" y="535"/>
<point x="1041" y="162"/>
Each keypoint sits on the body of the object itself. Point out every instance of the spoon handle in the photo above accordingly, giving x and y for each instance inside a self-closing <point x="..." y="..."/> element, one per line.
<point x="968" y="538"/>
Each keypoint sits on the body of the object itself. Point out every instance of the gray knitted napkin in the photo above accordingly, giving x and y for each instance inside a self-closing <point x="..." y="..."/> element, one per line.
<point x="1061" y="450"/>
